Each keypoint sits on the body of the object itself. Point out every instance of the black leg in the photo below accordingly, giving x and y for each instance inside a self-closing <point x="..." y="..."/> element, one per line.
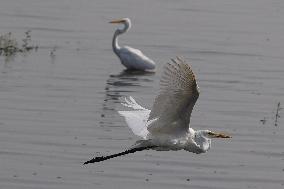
<point x="103" y="158"/>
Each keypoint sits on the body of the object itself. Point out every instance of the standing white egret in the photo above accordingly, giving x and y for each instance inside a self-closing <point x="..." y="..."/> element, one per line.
<point x="166" y="126"/>
<point x="132" y="59"/>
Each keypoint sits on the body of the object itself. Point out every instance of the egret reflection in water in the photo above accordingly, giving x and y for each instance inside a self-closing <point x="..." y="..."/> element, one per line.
<point x="121" y="85"/>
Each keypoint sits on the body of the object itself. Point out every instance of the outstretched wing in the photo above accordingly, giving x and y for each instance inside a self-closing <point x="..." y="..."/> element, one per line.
<point x="173" y="106"/>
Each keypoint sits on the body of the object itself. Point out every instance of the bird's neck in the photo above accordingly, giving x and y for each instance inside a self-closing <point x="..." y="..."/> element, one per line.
<point x="197" y="142"/>
<point x="115" y="45"/>
<point x="118" y="32"/>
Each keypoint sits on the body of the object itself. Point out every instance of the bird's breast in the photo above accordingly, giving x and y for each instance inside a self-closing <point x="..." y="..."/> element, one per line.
<point x="165" y="143"/>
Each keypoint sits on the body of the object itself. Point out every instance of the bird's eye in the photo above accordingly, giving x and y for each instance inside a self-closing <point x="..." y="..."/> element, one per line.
<point x="210" y="133"/>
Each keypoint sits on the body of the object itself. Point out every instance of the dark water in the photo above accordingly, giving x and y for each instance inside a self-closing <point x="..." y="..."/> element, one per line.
<point x="58" y="111"/>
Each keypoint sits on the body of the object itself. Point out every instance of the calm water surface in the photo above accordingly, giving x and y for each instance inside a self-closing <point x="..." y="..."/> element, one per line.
<point x="58" y="111"/>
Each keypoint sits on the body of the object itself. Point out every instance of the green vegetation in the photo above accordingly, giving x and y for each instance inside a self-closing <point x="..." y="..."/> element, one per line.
<point x="9" y="46"/>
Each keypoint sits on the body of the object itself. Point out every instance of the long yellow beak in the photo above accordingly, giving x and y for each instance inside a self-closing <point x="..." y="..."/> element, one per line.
<point x="117" y="21"/>
<point x="219" y="135"/>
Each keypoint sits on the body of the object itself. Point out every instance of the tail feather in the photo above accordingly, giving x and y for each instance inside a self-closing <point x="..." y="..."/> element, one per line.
<point x="131" y="103"/>
<point x="136" y="119"/>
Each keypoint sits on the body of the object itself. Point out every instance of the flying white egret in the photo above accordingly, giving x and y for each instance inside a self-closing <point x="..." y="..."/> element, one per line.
<point x="132" y="59"/>
<point x="167" y="126"/>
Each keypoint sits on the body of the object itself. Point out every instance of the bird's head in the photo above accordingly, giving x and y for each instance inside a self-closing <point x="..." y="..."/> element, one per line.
<point x="203" y="138"/>
<point x="125" y="21"/>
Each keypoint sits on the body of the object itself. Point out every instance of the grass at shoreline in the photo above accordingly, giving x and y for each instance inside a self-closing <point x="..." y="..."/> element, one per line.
<point x="9" y="46"/>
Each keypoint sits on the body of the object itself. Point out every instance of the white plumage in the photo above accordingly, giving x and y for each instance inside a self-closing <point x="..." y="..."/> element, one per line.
<point x="137" y="118"/>
<point x="168" y="121"/>
<point x="131" y="58"/>
<point x="174" y="104"/>
<point x="167" y="125"/>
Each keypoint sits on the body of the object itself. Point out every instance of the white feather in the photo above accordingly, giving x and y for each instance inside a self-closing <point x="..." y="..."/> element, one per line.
<point x="136" y="119"/>
<point x="130" y="57"/>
